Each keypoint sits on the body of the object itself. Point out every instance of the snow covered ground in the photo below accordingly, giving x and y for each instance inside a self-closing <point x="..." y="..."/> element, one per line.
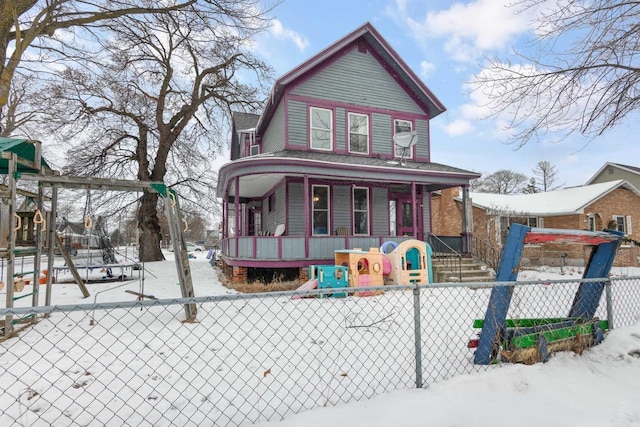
<point x="599" y="388"/>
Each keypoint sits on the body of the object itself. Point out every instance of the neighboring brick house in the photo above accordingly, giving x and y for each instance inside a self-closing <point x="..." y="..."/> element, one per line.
<point x="612" y="204"/>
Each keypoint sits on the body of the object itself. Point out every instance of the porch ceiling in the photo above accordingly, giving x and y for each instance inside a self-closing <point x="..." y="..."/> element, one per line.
<point x="259" y="174"/>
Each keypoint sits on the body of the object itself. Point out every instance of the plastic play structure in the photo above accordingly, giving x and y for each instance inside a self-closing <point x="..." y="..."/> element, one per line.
<point x="532" y="340"/>
<point x="409" y="262"/>
<point x="393" y="264"/>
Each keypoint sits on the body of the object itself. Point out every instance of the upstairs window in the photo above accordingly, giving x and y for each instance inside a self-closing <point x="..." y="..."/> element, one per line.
<point x="321" y="128"/>
<point x="398" y="127"/>
<point x="358" y="133"/>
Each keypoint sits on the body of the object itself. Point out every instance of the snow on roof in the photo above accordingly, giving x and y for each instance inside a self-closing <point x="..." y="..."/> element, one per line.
<point x="559" y="202"/>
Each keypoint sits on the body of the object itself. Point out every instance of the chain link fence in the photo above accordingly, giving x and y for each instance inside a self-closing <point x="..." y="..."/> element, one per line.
<point x="253" y="358"/>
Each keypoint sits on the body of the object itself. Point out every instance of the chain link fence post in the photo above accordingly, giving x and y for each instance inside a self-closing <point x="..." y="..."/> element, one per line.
<point x="609" y="303"/>
<point x="418" y="337"/>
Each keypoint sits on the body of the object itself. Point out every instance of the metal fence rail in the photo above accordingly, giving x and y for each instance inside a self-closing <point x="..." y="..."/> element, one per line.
<point x="253" y="358"/>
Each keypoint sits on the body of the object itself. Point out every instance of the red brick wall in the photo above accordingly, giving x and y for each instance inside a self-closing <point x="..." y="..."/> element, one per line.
<point x="446" y="213"/>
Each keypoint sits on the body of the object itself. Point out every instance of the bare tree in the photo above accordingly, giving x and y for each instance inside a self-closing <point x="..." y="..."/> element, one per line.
<point x="546" y="175"/>
<point x="584" y="78"/>
<point x="503" y="181"/>
<point x="151" y="104"/>
<point x="24" y="22"/>
<point x="531" y="187"/>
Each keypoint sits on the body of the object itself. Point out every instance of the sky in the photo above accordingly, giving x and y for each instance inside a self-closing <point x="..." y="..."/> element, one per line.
<point x="446" y="43"/>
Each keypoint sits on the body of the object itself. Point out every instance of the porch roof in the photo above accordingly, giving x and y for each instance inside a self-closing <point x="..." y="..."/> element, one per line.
<point x="258" y="174"/>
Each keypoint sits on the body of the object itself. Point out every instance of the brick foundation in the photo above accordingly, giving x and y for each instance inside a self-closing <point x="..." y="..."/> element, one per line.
<point x="304" y="274"/>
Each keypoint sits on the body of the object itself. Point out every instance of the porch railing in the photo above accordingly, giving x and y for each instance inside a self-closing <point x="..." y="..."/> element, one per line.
<point x="484" y="251"/>
<point x="446" y="256"/>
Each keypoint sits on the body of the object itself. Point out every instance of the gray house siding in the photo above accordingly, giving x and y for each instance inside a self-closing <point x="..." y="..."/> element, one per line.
<point x="422" y="147"/>
<point x="341" y="207"/>
<point x="297" y="125"/>
<point x="296" y="209"/>
<point x="273" y="138"/>
<point x="613" y="173"/>
<point x="380" y="211"/>
<point x="426" y="211"/>
<point x="271" y="219"/>
<point x="381" y="138"/>
<point x="358" y="78"/>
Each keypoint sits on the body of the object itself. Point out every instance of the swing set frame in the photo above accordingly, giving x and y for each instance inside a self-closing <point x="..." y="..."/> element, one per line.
<point x="21" y="160"/>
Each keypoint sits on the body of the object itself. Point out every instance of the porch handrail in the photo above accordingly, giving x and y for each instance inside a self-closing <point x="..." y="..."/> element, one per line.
<point x="448" y="257"/>
<point x="484" y="251"/>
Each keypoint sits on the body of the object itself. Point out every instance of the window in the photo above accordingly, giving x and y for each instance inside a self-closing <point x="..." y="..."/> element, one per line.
<point x="358" y="133"/>
<point x="360" y="211"/>
<point x="272" y="202"/>
<point x="622" y="224"/>
<point x="255" y="150"/>
<point x="320" y="203"/>
<point x="532" y="221"/>
<point x="402" y="126"/>
<point x="592" y="222"/>
<point x="321" y="128"/>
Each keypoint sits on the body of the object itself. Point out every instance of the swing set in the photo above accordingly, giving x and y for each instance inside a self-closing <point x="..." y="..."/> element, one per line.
<point x="31" y="233"/>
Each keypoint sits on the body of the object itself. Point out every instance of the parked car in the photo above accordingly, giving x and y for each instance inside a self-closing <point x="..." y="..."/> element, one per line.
<point x="191" y="247"/>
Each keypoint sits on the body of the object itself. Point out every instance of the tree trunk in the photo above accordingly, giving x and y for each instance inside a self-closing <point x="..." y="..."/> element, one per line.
<point x="150" y="235"/>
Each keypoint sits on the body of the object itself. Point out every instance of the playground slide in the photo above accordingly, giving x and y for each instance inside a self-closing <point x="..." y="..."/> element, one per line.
<point x="307" y="286"/>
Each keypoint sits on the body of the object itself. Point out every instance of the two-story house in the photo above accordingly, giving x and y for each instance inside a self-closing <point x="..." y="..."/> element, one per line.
<point x="320" y="169"/>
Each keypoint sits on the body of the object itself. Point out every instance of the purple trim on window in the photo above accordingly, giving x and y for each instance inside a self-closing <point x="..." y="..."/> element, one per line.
<point x="405" y="118"/>
<point x="347" y="144"/>
<point x="333" y="128"/>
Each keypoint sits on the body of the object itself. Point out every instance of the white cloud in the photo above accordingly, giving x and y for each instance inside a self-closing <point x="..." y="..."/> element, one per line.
<point x="469" y="29"/>
<point x="426" y="68"/>
<point x="282" y="33"/>
<point x="459" y="127"/>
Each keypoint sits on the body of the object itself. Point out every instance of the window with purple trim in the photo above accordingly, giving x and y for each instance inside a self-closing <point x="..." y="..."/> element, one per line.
<point x="360" y="211"/>
<point x="358" y="133"/>
<point x="320" y="203"/>
<point x="398" y="127"/>
<point x="321" y="128"/>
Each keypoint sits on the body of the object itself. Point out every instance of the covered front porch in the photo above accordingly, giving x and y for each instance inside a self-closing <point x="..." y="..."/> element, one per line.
<point x="278" y="219"/>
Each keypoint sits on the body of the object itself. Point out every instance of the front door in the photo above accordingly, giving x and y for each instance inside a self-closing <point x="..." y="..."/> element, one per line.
<point x="404" y="217"/>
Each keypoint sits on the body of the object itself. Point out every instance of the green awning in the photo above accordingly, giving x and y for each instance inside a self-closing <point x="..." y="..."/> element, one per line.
<point x="23" y="149"/>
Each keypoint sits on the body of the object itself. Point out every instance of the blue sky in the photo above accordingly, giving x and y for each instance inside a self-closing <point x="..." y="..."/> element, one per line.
<point x="446" y="44"/>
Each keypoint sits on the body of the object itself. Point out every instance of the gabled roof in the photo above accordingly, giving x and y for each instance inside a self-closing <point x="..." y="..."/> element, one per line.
<point x="397" y="67"/>
<point x="632" y="169"/>
<point x="244" y="121"/>
<point x="559" y="202"/>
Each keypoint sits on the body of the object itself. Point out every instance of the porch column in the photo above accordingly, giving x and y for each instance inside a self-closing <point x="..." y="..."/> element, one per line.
<point x="467" y="221"/>
<point x="307" y="215"/>
<point x="414" y="209"/>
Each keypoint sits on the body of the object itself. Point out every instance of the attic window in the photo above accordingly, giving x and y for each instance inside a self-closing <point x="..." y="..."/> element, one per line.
<point x="610" y="171"/>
